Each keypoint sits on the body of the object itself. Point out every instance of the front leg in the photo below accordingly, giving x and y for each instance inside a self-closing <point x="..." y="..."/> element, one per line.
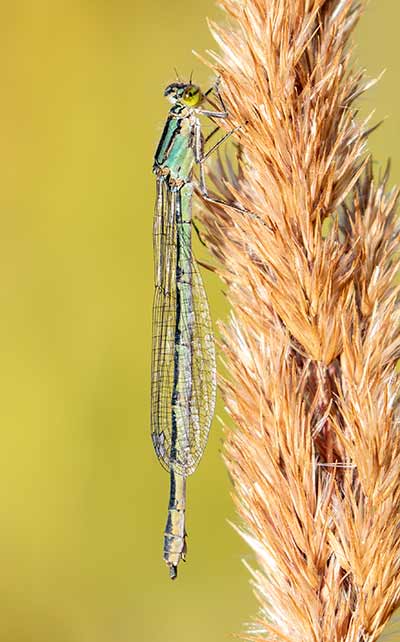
<point x="215" y="89"/>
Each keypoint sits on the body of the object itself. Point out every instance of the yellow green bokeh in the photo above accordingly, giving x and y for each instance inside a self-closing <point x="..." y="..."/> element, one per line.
<point x="82" y="497"/>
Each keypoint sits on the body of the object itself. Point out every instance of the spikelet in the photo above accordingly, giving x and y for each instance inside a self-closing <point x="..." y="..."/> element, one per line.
<point x="313" y="340"/>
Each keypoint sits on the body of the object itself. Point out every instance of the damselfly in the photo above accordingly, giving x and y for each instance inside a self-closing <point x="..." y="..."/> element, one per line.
<point x="183" y="358"/>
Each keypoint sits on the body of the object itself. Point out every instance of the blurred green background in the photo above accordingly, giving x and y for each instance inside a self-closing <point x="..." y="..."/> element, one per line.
<point x="82" y="498"/>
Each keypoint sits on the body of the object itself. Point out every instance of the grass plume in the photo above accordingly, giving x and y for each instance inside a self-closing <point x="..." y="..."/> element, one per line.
<point x="313" y="340"/>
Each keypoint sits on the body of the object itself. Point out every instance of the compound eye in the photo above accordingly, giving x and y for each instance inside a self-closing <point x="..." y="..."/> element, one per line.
<point x="191" y="96"/>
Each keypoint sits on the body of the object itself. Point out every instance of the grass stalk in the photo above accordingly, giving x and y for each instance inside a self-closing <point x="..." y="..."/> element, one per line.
<point x="313" y="340"/>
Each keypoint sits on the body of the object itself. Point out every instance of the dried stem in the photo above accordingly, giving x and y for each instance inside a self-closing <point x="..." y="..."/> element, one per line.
<point x="313" y="340"/>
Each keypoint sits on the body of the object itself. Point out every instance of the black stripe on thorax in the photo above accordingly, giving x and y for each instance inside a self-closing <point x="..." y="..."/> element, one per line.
<point x="171" y="129"/>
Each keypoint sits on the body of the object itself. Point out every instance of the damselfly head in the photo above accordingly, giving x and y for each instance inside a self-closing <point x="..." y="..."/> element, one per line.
<point x="186" y="93"/>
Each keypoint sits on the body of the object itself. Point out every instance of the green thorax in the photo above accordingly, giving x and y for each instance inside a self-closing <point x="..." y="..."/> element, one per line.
<point x="175" y="149"/>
